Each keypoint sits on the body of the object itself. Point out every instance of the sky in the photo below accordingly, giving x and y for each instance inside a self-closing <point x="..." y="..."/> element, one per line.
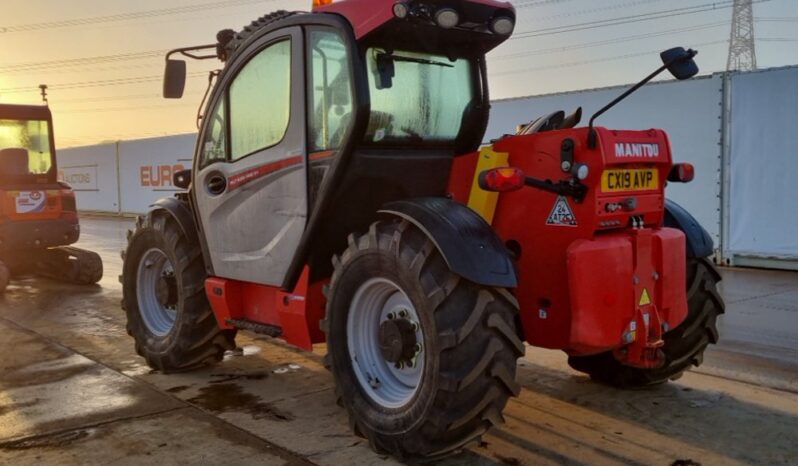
<point x="103" y="59"/>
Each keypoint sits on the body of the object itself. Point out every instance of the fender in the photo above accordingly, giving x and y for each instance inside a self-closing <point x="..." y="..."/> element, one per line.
<point x="468" y="244"/>
<point x="181" y="212"/>
<point x="699" y="243"/>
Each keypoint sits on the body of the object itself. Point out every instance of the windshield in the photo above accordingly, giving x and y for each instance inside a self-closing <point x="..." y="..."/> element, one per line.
<point x="416" y="97"/>
<point x="34" y="137"/>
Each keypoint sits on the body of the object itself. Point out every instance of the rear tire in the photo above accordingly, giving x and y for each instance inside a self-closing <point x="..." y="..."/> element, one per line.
<point x="163" y="285"/>
<point x="684" y="345"/>
<point x="467" y="358"/>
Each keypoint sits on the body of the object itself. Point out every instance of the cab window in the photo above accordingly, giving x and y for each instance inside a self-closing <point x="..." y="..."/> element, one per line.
<point x="32" y="136"/>
<point x="213" y="146"/>
<point x="330" y="90"/>
<point x="417" y="98"/>
<point x="260" y="101"/>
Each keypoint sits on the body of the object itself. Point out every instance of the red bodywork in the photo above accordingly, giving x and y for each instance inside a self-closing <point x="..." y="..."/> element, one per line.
<point x="593" y="277"/>
<point x="297" y="313"/>
<point x="582" y="281"/>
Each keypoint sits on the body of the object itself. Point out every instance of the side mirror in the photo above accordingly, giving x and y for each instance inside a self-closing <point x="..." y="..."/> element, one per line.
<point x="174" y="79"/>
<point x="680" y="62"/>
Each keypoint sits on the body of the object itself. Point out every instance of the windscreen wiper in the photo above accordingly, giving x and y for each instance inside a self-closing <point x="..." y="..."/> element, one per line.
<point x="422" y="61"/>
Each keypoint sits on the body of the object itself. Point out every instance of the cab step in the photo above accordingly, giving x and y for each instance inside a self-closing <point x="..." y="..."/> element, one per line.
<point x="252" y="326"/>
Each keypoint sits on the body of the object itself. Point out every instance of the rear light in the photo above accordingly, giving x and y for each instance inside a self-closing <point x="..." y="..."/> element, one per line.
<point x="502" y="179"/>
<point x="502" y="25"/>
<point x="447" y="18"/>
<point x="682" y="173"/>
<point x="321" y="2"/>
<point x="68" y="203"/>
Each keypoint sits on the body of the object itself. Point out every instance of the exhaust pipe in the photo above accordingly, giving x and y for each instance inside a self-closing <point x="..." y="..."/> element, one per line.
<point x="572" y="120"/>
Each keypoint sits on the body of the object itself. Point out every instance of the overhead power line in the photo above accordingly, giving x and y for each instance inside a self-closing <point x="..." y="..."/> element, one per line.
<point x="629" y="19"/>
<point x="597" y="60"/>
<point x="91" y="84"/>
<point x="616" y="6"/>
<point x="82" y="61"/>
<point x="786" y="19"/>
<point x="127" y="16"/>
<point x="616" y="40"/>
<point x="537" y="3"/>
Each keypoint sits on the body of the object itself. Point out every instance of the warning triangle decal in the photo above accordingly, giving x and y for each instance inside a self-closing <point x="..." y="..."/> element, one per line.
<point x="562" y="214"/>
<point x="645" y="298"/>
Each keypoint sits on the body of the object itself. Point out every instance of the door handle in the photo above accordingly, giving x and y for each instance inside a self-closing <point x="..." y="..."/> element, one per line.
<point x="216" y="184"/>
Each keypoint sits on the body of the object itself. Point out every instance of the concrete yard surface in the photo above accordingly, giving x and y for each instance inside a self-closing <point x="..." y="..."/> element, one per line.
<point x="73" y="391"/>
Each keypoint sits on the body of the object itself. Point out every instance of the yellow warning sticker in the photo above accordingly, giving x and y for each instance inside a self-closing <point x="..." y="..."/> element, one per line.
<point x="645" y="298"/>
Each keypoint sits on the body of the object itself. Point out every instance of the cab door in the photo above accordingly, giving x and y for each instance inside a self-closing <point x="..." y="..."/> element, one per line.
<point x="250" y="183"/>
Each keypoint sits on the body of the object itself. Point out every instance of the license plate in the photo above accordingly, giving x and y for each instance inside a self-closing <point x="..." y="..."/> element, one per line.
<point x="630" y="179"/>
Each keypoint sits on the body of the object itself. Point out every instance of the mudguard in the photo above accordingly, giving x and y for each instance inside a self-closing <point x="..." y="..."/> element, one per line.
<point x="468" y="244"/>
<point x="181" y="212"/>
<point x="699" y="243"/>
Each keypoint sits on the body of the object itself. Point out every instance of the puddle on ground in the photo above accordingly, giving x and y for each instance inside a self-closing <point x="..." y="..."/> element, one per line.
<point x="51" y="371"/>
<point x="224" y="397"/>
<point x="178" y="389"/>
<point x="223" y="378"/>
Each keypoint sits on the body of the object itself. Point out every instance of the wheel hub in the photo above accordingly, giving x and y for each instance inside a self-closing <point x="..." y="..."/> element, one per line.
<point x="166" y="291"/>
<point x="157" y="292"/>
<point x="398" y="340"/>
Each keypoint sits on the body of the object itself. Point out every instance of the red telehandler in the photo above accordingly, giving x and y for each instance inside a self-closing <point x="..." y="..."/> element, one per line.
<point x="38" y="214"/>
<point x="339" y="194"/>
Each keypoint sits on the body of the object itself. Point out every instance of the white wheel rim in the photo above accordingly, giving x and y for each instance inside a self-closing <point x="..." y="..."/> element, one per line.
<point x="159" y="317"/>
<point x="376" y="301"/>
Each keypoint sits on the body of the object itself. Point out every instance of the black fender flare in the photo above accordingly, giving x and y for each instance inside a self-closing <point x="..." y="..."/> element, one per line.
<point x="469" y="245"/>
<point x="699" y="242"/>
<point x="181" y="212"/>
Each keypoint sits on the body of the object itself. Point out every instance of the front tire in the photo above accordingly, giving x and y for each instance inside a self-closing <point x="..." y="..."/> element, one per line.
<point x="168" y="314"/>
<point x="447" y="375"/>
<point x="684" y="345"/>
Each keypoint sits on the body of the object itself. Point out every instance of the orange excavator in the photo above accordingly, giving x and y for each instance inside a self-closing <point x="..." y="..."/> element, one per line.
<point x="38" y="213"/>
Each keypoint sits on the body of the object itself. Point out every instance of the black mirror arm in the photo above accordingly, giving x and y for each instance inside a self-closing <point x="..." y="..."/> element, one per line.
<point x="592" y="136"/>
<point x="190" y="52"/>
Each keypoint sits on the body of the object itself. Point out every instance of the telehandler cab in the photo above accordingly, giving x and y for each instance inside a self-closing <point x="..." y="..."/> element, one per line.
<point x="339" y="194"/>
<point x="38" y="213"/>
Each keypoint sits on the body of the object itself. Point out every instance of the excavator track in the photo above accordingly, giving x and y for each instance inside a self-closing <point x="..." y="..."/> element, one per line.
<point x="70" y="264"/>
